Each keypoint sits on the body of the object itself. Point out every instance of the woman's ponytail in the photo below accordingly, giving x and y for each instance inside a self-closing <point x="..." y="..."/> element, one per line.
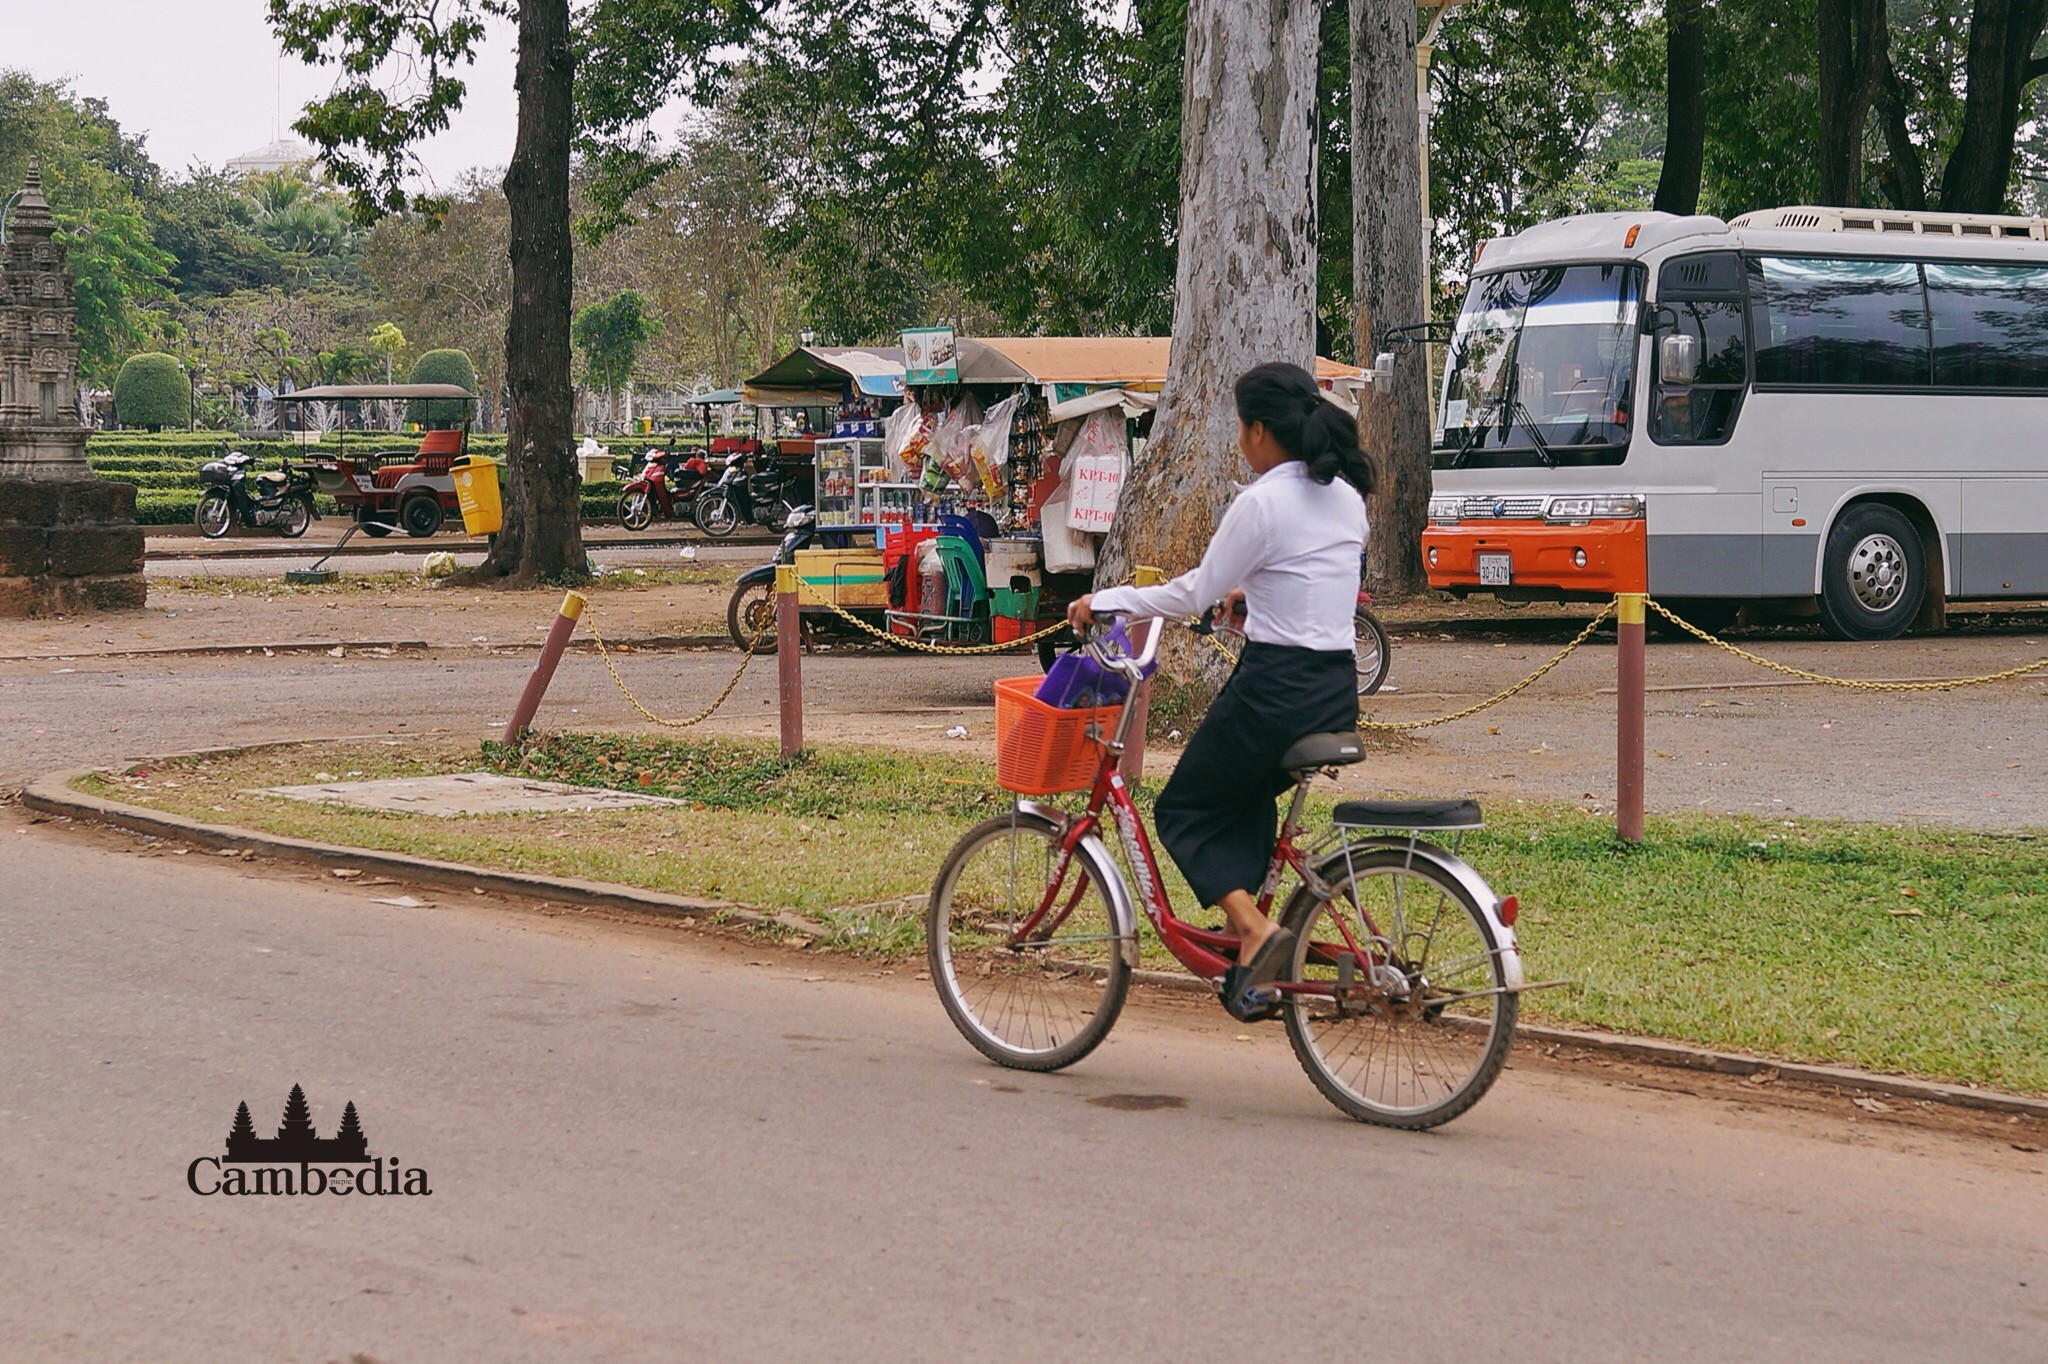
<point x="1307" y="425"/>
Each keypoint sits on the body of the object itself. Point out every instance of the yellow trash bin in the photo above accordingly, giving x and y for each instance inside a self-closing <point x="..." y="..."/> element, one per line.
<point x="476" y="489"/>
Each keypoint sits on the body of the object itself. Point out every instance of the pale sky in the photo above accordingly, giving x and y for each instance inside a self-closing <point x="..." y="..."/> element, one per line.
<point x="201" y="77"/>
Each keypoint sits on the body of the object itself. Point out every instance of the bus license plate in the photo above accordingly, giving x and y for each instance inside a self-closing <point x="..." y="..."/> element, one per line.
<point x="1494" y="570"/>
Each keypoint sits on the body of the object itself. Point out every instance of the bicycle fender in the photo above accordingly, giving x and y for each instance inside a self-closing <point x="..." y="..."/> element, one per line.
<point x="1103" y="867"/>
<point x="1473" y="884"/>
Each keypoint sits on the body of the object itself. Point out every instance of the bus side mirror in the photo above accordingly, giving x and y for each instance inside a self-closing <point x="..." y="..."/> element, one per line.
<point x="1383" y="367"/>
<point x="1678" y="358"/>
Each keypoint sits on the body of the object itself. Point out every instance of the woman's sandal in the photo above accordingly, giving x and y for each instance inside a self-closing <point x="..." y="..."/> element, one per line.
<point x="1243" y="996"/>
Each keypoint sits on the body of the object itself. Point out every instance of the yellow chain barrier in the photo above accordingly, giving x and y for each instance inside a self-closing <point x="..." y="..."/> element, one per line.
<point x="1850" y="682"/>
<point x="700" y="716"/>
<point x="1531" y="680"/>
<point x="906" y="642"/>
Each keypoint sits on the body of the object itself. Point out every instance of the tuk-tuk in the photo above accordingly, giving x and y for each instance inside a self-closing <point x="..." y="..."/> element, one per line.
<point x="387" y="489"/>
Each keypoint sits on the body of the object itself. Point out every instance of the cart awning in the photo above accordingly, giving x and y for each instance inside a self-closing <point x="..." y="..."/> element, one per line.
<point x="816" y="376"/>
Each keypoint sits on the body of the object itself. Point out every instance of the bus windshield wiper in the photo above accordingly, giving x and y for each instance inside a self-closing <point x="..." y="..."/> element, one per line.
<point x="1522" y="414"/>
<point x="1518" y="411"/>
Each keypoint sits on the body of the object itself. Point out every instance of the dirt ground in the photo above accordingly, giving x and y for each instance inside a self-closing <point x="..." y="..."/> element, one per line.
<point x="1722" y="734"/>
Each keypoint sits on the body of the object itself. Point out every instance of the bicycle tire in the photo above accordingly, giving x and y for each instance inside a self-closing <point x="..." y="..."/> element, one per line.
<point x="1070" y="1033"/>
<point x="1371" y="651"/>
<point x="1300" y="915"/>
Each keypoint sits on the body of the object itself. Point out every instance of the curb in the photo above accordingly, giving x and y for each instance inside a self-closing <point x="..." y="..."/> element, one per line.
<point x="631" y="644"/>
<point x="297" y="646"/>
<point x="1681" y="1056"/>
<point x="52" y="795"/>
<point x="293" y="549"/>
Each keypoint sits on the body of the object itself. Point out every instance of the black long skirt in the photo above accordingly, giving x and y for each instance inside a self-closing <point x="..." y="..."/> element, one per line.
<point x="1217" y="817"/>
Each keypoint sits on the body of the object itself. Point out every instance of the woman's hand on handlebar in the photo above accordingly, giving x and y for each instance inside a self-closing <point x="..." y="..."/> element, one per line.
<point x="1081" y="612"/>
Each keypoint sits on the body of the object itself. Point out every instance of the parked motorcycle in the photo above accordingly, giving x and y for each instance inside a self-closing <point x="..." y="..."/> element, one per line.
<point x="231" y="490"/>
<point x="666" y="488"/>
<point x="751" y="611"/>
<point x="740" y="497"/>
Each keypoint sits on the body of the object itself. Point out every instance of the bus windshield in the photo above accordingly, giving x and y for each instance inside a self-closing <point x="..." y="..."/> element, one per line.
<point x="1542" y="368"/>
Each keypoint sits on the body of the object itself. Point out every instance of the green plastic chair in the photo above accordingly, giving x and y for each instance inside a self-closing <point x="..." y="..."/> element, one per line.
<point x="966" y="584"/>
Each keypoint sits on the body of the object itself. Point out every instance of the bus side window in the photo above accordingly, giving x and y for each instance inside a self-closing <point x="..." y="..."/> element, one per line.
<point x="1702" y="412"/>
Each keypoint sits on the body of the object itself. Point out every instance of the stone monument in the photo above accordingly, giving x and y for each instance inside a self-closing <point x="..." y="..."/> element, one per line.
<point x="68" y="539"/>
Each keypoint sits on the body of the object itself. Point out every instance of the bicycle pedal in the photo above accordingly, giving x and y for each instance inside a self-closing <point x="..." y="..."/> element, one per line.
<point x="1261" y="1006"/>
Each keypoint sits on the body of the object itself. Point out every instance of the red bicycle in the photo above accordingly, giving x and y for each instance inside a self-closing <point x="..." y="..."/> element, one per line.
<point x="1400" y="1000"/>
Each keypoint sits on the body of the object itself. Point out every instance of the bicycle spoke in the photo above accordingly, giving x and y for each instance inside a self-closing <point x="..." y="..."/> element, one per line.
<point x="1422" y="1032"/>
<point x="1035" y="1002"/>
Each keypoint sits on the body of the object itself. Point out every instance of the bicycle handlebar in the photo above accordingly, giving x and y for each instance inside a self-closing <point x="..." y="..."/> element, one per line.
<point x="1131" y="666"/>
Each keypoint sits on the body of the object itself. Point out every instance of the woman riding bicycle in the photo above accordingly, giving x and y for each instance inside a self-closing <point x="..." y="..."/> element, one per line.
<point x="1288" y="550"/>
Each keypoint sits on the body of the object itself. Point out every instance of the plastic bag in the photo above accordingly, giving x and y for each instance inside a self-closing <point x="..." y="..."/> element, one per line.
<point x="988" y="445"/>
<point x="951" y="440"/>
<point x="904" y="438"/>
<point x="1066" y="550"/>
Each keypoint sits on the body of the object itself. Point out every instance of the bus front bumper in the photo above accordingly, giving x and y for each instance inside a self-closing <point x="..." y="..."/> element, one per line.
<point x="1589" y="558"/>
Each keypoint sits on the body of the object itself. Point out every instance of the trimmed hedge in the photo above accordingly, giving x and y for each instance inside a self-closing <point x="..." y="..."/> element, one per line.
<point x="152" y="391"/>
<point x="440" y="367"/>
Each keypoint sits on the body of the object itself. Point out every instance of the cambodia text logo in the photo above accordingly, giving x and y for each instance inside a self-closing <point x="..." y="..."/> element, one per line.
<point x="340" y="1164"/>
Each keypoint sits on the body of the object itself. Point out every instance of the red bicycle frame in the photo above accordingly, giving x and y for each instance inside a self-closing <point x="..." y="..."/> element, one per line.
<point x="1205" y="951"/>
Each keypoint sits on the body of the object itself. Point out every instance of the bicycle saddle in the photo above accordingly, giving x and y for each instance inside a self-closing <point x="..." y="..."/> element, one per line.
<point x="1323" y="750"/>
<point x="1408" y="814"/>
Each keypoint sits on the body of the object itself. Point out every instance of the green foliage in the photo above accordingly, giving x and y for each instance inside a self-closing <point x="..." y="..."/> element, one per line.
<point x="153" y="392"/>
<point x="610" y="335"/>
<point x="388" y="340"/>
<point x="366" y="130"/>
<point x="99" y="182"/>
<point x="439" y="367"/>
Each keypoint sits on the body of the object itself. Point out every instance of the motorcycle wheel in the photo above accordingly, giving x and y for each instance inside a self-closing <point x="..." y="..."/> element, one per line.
<point x="752" y="609"/>
<point x="636" y="509"/>
<point x="1372" y="655"/>
<point x="214" y="516"/>
<point x="294" y="517"/>
<point x="717" y="516"/>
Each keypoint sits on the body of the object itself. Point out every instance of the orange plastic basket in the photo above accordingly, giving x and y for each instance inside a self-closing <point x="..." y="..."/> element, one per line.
<point x="1042" y="750"/>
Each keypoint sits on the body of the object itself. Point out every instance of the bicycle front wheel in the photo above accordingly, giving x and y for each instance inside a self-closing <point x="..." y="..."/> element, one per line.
<point x="1036" y="1000"/>
<point x="1415" y="1036"/>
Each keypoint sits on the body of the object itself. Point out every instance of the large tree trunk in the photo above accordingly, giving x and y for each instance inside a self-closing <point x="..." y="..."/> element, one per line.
<point x="1685" y="107"/>
<point x="543" y="534"/>
<point x="1854" y="56"/>
<point x="1997" y="68"/>
<point x="1905" y="180"/>
<point x="1389" y="264"/>
<point x="1245" y="286"/>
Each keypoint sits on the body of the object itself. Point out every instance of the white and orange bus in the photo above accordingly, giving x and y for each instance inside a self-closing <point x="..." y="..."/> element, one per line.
<point x="1831" y="409"/>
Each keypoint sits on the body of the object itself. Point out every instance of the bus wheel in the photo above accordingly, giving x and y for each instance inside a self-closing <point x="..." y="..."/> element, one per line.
<point x="1875" y="574"/>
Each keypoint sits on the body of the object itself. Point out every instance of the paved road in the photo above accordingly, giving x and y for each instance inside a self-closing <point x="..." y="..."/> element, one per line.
<point x="407" y="558"/>
<point x="1977" y="758"/>
<point x="642" y="1148"/>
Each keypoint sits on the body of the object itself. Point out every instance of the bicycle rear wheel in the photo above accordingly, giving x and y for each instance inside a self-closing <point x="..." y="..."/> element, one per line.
<point x="1048" y="1001"/>
<point x="1423" y="1032"/>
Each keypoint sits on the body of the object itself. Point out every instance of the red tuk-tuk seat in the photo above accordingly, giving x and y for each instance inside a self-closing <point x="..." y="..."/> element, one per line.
<point x="388" y="475"/>
<point x="441" y="443"/>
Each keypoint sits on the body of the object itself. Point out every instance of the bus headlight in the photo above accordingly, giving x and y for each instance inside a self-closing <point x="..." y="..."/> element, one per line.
<point x="1445" y="509"/>
<point x="1609" y="507"/>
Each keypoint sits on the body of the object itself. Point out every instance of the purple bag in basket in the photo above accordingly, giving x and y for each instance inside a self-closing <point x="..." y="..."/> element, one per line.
<point x="1077" y="682"/>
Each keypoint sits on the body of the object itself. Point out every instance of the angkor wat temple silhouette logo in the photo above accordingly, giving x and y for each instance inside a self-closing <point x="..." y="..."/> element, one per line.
<point x="296" y="1141"/>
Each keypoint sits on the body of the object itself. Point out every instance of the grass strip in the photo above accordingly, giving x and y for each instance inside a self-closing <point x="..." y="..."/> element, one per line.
<point x="1918" y="950"/>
